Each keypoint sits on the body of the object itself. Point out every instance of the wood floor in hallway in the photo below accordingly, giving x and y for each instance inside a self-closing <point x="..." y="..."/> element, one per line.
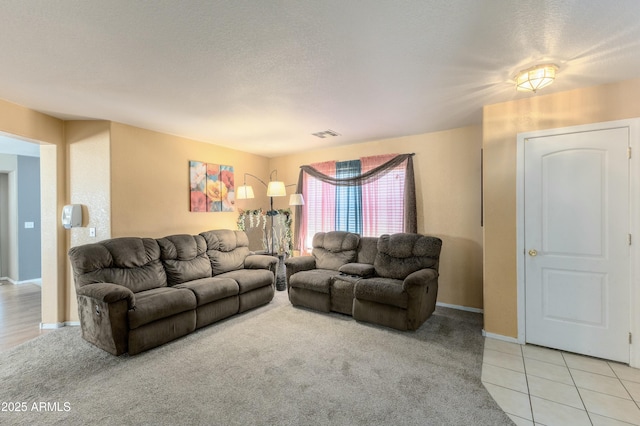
<point x="20" y="313"/>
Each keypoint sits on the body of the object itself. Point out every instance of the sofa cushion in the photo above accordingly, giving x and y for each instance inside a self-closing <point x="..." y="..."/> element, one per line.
<point x="401" y="254"/>
<point x="128" y="261"/>
<point x="158" y="303"/>
<point x="250" y="279"/>
<point x="334" y="249"/>
<point x="184" y="258"/>
<point x="387" y="291"/>
<point x="226" y="249"/>
<point x="367" y="250"/>
<point x="210" y="289"/>
<point x="316" y="280"/>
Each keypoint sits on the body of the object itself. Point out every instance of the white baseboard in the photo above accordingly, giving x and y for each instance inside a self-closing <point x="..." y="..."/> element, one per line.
<point x="36" y="281"/>
<point x="56" y="325"/>
<point x="501" y="337"/>
<point x="51" y="326"/>
<point x="460" y="308"/>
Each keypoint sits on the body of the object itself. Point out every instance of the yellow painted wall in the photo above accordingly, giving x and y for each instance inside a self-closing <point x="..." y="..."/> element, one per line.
<point x="501" y="124"/>
<point x="19" y="121"/>
<point x="150" y="183"/>
<point x="448" y="192"/>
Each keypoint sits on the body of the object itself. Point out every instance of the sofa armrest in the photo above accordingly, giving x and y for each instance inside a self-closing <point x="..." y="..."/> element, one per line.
<point x="260" y="261"/>
<point x="103" y="310"/>
<point x="416" y="281"/>
<point x="108" y="293"/>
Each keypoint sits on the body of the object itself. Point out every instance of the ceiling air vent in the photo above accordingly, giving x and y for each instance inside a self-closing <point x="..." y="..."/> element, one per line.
<point x="326" y="134"/>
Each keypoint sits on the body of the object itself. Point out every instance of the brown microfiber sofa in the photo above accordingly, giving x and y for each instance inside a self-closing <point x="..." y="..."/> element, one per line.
<point x="391" y="280"/>
<point x="138" y="293"/>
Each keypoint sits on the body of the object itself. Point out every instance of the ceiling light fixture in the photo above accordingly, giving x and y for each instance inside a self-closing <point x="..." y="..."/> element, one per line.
<point x="534" y="78"/>
<point x="326" y="133"/>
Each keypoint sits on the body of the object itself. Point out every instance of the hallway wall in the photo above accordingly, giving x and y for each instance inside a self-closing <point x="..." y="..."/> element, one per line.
<point x="20" y="254"/>
<point x="29" y="256"/>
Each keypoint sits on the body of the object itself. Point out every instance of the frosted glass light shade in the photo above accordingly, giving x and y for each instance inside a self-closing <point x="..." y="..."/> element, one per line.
<point x="243" y="192"/>
<point x="536" y="78"/>
<point x="276" y="189"/>
<point x="296" y="200"/>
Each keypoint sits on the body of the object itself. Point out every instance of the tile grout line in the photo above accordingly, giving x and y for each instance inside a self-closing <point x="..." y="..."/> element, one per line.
<point x="576" y="386"/>
<point x="500" y="366"/>
<point x="623" y="385"/>
<point x="526" y="379"/>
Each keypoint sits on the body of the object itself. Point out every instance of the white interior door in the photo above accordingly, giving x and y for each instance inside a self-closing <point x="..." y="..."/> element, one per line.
<point x="576" y="215"/>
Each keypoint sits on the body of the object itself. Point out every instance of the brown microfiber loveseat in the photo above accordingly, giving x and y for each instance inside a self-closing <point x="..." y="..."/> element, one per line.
<point x="391" y="280"/>
<point x="138" y="293"/>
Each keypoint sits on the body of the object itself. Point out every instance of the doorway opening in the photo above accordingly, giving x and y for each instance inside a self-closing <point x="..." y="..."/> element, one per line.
<point x="43" y="222"/>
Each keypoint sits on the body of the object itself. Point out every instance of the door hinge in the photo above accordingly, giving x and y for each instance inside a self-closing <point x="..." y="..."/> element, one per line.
<point x="629" y="239"/>
<point x="629" y="151"/>
<point x="630" y="338"/>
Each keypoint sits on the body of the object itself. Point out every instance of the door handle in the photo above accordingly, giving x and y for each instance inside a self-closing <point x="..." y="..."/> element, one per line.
<point x="533" y="253"/>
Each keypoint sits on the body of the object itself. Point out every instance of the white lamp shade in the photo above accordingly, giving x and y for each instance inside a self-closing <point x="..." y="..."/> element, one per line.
<point x="276" y="189"/>
<point x="243" y="192"/>
<point x="296" y="200"/>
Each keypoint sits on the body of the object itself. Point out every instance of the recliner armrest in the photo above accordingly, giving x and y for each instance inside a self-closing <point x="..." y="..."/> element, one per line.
<point x="300" y="263"/>
<point x="108" y="293"/>
<point x="260" y="261"/>
<point x="419" y="279"/>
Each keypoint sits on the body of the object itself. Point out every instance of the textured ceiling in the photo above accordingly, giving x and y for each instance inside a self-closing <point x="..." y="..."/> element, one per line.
<point x="261" y="76"/>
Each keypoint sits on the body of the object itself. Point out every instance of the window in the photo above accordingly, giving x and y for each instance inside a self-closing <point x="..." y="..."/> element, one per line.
<point x="348" y="198"/>
<point x="370" y="209"/>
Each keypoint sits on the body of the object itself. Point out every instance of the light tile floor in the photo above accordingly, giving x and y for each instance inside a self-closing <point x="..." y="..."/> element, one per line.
<point x="540" y="386"/>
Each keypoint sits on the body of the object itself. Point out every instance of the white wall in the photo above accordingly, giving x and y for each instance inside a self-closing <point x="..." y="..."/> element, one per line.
<point x="19" y="173"/>
<point x="4" y="224"/>
<point x="29" y="255"/>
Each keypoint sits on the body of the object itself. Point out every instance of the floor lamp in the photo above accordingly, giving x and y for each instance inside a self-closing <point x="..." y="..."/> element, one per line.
<point x="275" y="188"/>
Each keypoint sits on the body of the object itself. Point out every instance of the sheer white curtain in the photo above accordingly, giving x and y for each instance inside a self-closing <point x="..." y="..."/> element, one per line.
<point x="383" y="198"/>
<point x="319" y="210"/>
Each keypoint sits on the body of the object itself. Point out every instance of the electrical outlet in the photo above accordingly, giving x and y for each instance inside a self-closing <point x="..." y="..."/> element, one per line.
<point x="28" y="225"/>
<point x="92" y="232"/>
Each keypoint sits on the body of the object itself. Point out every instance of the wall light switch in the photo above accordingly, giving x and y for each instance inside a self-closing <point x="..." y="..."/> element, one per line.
<point x="92" y="232"/>
<point x="28" y="225"/>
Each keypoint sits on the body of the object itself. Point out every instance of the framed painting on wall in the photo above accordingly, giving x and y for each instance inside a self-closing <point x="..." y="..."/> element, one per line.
<point x="211" y="187"/>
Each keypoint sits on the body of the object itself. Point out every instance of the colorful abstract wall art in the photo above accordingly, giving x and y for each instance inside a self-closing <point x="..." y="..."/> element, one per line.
<point x="212" y="188"/>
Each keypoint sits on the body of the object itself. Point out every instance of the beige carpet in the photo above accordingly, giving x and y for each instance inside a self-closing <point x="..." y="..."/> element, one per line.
<point x="275" y="365"/>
